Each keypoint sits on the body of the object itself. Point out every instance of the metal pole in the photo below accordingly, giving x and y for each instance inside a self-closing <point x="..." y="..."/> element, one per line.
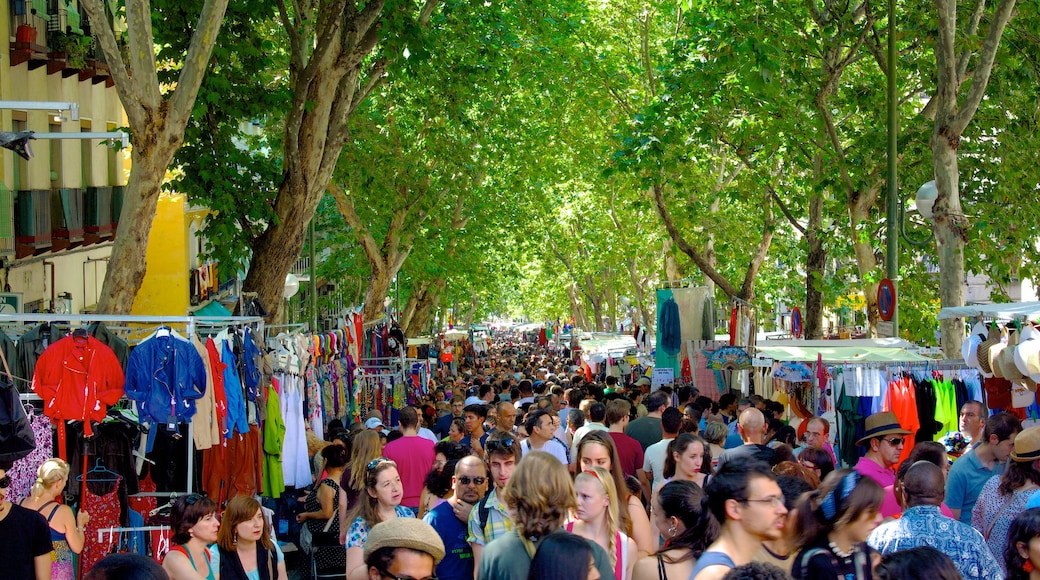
<point x="892" y="262"/>
<point x="60" y="106"/>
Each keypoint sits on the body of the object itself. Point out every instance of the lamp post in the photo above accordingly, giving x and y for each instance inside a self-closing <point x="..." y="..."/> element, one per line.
<point x="892" y="257"/>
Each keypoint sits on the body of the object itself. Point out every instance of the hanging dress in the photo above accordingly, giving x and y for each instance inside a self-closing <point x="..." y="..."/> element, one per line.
<point x="23" y="473"/>
<point x="104" y="513"/>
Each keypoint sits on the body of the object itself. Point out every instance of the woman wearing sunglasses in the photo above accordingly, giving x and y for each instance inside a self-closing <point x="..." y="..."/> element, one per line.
<point x="195" y="523"/>
<point x="381" y="502"/>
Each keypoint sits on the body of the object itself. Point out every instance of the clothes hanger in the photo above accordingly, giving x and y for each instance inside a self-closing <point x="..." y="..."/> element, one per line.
<point x="100" y="469"/>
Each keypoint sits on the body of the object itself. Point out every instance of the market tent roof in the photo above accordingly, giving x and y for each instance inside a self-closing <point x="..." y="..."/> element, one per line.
<point x="214" y="308"/>
<point x="839" y="354"/>
<point x="851" y="342"/>
<point x="1008" y="310"/>
<point x="595" y="342"/>
<point x="455" y="335"/>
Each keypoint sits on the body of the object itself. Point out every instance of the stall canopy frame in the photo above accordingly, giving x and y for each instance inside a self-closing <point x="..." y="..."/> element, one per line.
<point x="1010" y="311"/>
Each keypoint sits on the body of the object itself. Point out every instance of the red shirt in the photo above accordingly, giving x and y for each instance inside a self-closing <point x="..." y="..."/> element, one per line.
<point x="78" y="378"/>
<point x="630" y="452"/>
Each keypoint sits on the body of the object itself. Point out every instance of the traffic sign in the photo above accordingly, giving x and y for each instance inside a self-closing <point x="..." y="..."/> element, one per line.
<point x="796" y="322"/>
<point x="886" y="299"/>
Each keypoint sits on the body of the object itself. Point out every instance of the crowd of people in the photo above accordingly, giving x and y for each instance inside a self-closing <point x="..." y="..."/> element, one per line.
<point x="523" y="469"/>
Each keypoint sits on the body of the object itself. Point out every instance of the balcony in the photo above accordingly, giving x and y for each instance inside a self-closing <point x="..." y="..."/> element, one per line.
<point x="32" y="224"/>
<point x="66" y="218"/>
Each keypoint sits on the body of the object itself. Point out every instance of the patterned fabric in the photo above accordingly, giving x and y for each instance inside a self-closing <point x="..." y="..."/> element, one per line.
<point x="358" y="532"/>
<point x="326" y="559"/>
<point x="993" y="514"/>
<point x="61" y="561"/>
<point x="104" y="513"/>
<point x="23" y="473"/>
<point x="498" y="522"/>
<point x="926" y="526"/>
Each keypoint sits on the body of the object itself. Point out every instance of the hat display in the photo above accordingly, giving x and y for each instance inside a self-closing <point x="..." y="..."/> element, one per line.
<point x="995" y="353"/>
<point x="373" y="423"/>
<point x="1027" y="445"/>
<point x="1007" y="364"/>
<point x="880" y="424"/>
<point x="405" y="533"/>
<point x="992" y="339"/>
<point x="970" y="347"/>
<point x="1028" y="348"/>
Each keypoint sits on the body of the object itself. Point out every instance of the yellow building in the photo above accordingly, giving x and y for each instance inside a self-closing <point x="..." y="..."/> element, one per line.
<point x="59" y="210"/>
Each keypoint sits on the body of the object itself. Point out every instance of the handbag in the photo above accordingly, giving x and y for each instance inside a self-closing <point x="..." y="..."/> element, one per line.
<point x="307" y="537"/>
<point x="16" y="434"/>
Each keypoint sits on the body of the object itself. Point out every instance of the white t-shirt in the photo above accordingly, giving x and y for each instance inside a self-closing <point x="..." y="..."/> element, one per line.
<point x="552" y="447"/>
<point x="653" y="460"/>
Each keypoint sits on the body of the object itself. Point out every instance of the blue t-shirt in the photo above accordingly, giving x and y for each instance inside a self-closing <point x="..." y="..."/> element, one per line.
<point x="965" y="481"/>
<point x="458" y="555"/>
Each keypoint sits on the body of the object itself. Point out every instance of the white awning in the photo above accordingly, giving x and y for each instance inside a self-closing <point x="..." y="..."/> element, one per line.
<point x="1010" y="310"/>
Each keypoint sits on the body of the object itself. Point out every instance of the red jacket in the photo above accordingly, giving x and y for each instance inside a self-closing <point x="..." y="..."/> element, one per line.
<point x="78" y="378"/>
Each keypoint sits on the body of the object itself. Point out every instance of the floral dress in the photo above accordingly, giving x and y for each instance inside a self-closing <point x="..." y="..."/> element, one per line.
<point x="358" y="532"/>
<point x="994" y="513"/>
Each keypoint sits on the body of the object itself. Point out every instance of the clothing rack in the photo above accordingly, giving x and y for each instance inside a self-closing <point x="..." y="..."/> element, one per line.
<point x="102" y="532"/>
<point x="191" y="326"/>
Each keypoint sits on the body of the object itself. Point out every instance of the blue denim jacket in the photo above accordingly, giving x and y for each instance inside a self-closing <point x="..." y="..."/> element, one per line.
<point x="165" y="375"/>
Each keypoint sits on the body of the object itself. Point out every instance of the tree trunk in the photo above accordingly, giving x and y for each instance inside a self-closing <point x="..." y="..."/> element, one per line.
<point x="577" y="312"/>
<point x="814" y="266"/>
<point x="157" y="120"/>
<point x="950" y="236"/>
<point x="378" y="287"/>
<point x="671" y="266"/>
<point x="954" y="112"/>
<point x="866" y="262"/>
<point x="421" y="318"/>
<point x="128" y="264"/>
<point x="709" y="246"/>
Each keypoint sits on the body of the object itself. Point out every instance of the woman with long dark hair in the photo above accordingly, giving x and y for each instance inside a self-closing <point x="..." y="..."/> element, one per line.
<point x="687" y="526"/>
<point x="1022" y="554"/>
<point x="563" y="556"/>
<point x="832" y="525"/>
<point x="1004" y="497"/>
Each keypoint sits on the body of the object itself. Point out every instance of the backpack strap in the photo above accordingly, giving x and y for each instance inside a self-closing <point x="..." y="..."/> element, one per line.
<point x="483" y="512"/>
<point x="808" y="555"/>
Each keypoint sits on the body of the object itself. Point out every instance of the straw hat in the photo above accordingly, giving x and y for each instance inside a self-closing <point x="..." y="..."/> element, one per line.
<point x="880" y="424"/>
<point x="1008" y="366"/>
<point x="992" y="339"/>
<point x="1027" y="445"/>
<point x="995" y="352"/>
<point x="405" y="533"/>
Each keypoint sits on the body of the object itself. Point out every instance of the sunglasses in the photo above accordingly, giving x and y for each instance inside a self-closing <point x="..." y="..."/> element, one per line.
<point x="505" y="445"/>
<point x="5" y="482"/>
<point x="466" y="480"/>
<point x="375" y="462"/>
<point x="192" y="498"/>
<point x="894" y="441"/>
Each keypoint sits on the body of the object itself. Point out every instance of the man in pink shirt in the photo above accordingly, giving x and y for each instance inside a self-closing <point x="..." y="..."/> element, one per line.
<point x="413" y="455"/>
<point x="883" y="438"/>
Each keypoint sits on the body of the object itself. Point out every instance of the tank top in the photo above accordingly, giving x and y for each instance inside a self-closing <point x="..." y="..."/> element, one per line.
<point x="620" y="552"/>
<point x="180" y="548"/>
<point x="711" y="559"/>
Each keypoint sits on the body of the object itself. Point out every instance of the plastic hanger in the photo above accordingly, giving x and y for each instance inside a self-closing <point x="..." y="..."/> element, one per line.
<point x="100" y="469"/>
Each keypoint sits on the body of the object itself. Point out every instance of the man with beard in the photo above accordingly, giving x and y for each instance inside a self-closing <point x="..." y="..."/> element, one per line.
<point x="749" y="505"/>
<point x="450" y="518"/>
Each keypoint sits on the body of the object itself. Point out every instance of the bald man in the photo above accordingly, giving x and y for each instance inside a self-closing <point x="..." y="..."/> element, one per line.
<point x="449" y="518"/>
<point x="922" y="524"/>
<point x="751" y="425"/>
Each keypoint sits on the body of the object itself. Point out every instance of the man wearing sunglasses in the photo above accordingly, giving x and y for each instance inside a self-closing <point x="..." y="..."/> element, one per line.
<point x="884" y="439"/>
<point x="25" y="537"/>
<point x="450" y="518"/>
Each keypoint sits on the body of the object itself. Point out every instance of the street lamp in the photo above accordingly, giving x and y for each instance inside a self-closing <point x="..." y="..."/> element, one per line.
<point x="923" y="201"/>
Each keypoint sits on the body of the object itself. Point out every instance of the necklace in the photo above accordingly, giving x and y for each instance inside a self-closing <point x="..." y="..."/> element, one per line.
<point x="837" y="551"/>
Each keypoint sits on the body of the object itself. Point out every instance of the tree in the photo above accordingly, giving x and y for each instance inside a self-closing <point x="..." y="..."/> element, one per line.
<point x="157" y="119"/>
<point x="955" y="50"/>
<point x="339" y="53"/>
